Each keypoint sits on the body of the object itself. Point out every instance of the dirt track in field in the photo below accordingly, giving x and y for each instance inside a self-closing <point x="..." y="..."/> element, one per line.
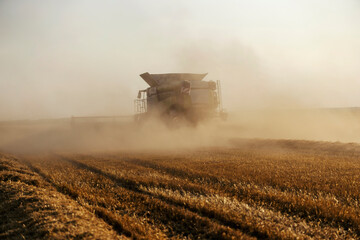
<point x="275" y="189"/>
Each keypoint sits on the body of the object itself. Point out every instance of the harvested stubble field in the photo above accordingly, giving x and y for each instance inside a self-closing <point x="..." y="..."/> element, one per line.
<point x="255" y="189"/>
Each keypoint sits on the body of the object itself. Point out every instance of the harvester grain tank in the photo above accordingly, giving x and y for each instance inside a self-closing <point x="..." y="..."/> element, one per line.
<point x="179" y="96"/>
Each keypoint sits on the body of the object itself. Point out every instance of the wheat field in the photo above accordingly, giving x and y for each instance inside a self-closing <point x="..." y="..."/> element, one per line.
<point x="253" y="189"/>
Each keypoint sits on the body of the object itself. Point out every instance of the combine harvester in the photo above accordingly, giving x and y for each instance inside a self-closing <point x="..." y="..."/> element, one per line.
<point x="179" y="98"/>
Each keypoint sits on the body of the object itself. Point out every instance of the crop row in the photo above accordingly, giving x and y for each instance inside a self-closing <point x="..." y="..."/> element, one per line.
<point x="215" y="193"/>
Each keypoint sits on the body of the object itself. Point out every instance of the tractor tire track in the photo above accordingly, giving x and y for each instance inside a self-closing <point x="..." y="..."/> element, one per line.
<point x="158" y="206"/>
<point x="218" y="215"/>
<point x="208" y="214"/>
<point x="32" y="208"/>
<point x="100" y="212"/>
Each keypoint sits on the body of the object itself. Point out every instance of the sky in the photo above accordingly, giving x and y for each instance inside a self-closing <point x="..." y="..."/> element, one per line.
<point x="83" y="57"/>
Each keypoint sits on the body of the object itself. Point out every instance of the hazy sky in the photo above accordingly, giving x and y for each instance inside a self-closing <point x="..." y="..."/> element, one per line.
<point x="83" y="57"/>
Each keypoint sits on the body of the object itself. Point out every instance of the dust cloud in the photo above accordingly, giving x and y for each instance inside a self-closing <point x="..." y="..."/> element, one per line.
<point x="86" y="135"/>
<point x="80" y="135"/>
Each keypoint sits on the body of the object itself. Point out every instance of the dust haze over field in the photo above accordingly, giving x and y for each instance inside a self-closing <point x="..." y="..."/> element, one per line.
<point x="89" y="136"/>
<point x="279" y="63"/>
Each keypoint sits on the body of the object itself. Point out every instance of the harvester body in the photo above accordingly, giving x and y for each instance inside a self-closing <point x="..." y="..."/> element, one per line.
<point x="179" y="96"/>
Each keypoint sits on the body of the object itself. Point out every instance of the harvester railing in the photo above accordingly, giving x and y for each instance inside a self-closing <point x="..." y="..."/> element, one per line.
<point x="140" y="106"/>
<point x="218" y="86"/>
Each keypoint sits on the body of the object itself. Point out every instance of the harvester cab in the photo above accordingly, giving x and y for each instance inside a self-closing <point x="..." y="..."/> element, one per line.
<point x="179" y="96"/>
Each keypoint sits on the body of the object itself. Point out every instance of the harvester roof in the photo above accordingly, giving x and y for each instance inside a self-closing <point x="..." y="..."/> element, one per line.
<point x="158" y="79"/>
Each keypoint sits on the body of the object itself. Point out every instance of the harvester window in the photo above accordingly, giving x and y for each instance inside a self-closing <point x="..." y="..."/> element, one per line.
<point x="201" y="97"/>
